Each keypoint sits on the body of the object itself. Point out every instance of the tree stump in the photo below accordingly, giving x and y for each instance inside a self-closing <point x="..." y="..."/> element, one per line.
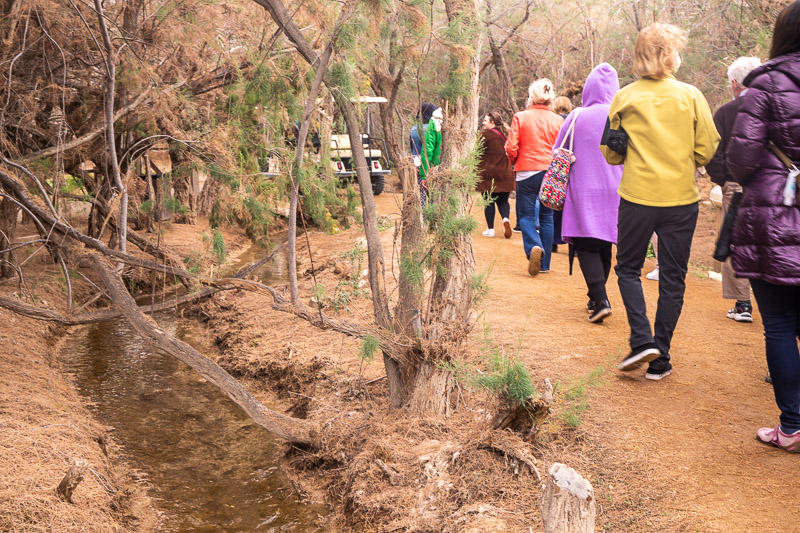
<point x="71" y="480"/>
<point x="567" y="503"/>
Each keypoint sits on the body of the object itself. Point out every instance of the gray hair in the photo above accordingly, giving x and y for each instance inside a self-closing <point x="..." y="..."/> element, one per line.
<point x="740" y="68"/>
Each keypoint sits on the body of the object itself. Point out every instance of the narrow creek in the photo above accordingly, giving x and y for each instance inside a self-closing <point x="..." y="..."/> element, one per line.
<point x="209" y="466"/>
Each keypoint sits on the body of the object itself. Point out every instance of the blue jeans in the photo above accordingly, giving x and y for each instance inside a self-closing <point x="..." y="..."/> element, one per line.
<point x="527" y="194"/>
<point x="779" y="306"/>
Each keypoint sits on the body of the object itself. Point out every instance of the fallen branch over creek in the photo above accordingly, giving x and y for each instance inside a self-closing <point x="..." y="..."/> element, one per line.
<point x="293" y="430"/>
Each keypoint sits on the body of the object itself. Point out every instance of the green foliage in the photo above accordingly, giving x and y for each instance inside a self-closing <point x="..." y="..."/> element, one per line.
<point x="146" y="207"/>
<point x="192" y="262"/>
<point x="479" y="285"/>
<point x="508" y="377"/>
<point x="341" y="76"/>
<point x="414" y="270"/>
<point x="318" y="293"/>
<point x="351" y="29"/>
<point x="574" y="400"/>
<point x="504" y="374"/>
<point x="173" y="205"/>
<point x="369" y="346"/>
<point x="219" y="248"/>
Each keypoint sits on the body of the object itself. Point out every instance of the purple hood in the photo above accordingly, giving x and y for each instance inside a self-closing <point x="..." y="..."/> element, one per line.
<point x="592" y="201"/>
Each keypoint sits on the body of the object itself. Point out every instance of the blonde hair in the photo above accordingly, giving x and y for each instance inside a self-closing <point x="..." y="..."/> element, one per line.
<point x="541" y="92"/>
<point x="655" y="53"/>
<point x="562" y="105"/>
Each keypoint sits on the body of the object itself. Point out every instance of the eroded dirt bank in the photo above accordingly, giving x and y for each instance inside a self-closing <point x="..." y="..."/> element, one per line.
<point x="44" y="426"/>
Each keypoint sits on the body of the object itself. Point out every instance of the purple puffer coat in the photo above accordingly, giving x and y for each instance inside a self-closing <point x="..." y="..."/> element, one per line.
<point x="767" y="235"/>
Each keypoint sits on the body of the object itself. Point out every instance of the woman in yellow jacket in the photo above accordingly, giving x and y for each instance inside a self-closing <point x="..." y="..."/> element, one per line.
<point x="670" y="132"/>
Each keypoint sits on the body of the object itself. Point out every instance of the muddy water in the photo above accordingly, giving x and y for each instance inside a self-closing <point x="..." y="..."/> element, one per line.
<point x="210" y="467"/>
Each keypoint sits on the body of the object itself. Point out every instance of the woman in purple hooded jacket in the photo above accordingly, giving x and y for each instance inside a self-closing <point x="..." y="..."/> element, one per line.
<point x="590" y="211"/>
<point x="767" y="235"/>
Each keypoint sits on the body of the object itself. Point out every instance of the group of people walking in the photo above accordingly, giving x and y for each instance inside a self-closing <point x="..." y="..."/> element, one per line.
<point x="636" y="153"/>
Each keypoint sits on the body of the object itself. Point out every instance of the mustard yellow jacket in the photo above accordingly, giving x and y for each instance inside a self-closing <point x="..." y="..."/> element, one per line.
<point x="671" y="133"/>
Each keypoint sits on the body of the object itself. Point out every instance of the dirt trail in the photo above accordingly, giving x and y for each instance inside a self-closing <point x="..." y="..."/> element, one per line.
<point x="694" y="431"/>
<point x="681" y="453"/>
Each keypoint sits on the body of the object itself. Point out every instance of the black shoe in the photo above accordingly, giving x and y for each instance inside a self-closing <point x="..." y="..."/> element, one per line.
<point x="601" y="310"/>
<point x="590" y="306"/>
<point x="555" y="248"/>
<point x="658" y="375"/>
<point x="639" y="356"/>
<point x="741" y="312"/>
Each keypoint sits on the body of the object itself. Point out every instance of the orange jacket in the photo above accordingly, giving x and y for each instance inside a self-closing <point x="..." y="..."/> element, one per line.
<point x="530" y="141"/>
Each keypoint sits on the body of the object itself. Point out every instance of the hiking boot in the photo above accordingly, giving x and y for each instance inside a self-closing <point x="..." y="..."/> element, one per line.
<point x="789" y="442"/>
<point x="488" y="232"/>
<point x="590" y="306"/>
<point x="741" y="312"/>
<point x="535" y="261"/>
<point x="658" y="376"/>
<point x="601" y="310"/>
<point x="639" y="356"/>
<point x="507" y="228"/>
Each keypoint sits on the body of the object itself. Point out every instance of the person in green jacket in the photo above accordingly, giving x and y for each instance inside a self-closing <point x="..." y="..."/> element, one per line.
<point x="670" y="133"/>
<point x="431" y="152"/>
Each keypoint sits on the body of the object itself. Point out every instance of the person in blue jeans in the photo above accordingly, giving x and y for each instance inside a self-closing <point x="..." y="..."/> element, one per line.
<point x="536" y="231"/>
<point x="529" y="147"/>
<point x="763" y="147"/>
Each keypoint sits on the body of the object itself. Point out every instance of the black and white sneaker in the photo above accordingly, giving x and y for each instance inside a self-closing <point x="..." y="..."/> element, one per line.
<point x="639" y="356"/>
<point x="601" y="310"/>
<point x="658" y="376"/>
<point x="741" y="312"/>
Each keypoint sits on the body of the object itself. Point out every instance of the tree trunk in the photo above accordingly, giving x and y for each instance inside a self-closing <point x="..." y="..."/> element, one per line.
<point x="430" y="389"/>
<point x="8" y="226"/>
<point x="451" y="296"/>
<point x="71" y="480"/>
<point x="110" y="83"/>
<point x="449" y="308"/>
<point x="504" y="77"/>
<point x="567" y="502"/>
<point x="388" y="87"/>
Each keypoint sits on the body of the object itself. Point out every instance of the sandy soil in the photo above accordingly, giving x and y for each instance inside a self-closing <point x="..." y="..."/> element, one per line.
<point x="693" y="434"/>
<point x="677" y="455"/>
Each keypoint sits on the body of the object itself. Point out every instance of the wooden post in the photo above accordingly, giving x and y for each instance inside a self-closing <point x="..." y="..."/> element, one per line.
<point x="71" y="480"/>
<point x="567" y="503"/>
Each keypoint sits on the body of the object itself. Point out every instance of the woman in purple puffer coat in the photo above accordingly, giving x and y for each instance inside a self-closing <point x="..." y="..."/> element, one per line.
<point x="766" y="238"/>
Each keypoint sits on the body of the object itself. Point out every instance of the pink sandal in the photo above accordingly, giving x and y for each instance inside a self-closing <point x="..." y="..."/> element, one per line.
<point x="789" y="442"/>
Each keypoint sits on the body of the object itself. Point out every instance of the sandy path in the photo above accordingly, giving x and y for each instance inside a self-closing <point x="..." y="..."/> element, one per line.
<point x="695" y="430"/>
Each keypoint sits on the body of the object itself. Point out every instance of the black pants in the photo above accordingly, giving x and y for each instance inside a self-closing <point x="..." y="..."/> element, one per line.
<point x="499" y="198"/>
<point x="675" y="228"/>
<point x="594" y="256"/>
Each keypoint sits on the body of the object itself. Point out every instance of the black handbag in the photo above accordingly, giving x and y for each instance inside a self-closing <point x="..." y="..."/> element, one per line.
<point x="722" y="250"/>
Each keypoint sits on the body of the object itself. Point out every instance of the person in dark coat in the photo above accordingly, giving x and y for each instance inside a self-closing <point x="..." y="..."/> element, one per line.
<point x="497" y="176"/>
<point x="766" y="237"/>
<point x="733" y="288"/>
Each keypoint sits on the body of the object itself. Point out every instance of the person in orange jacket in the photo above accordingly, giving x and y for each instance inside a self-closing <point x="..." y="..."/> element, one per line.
<point x="529" y="147"/>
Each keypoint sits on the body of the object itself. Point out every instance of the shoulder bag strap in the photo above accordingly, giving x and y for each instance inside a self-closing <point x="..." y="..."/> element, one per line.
<point x="500" y="134"/>
<point x="571" y="132"/>
<point x="783" y="157"/>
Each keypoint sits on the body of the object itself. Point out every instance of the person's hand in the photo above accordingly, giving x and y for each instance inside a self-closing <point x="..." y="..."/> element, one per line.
<point x="424" y="184"/>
